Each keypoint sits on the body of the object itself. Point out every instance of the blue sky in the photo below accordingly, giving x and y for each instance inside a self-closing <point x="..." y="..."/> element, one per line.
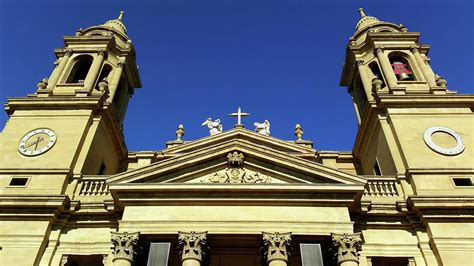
<point x="278" y="60"/>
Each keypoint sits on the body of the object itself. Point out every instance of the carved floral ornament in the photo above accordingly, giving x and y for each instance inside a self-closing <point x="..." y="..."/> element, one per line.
<point x="192" y="245"/>
<point x="236" y="176"/>
<point x="276" y="246"/>
<point x="124" y="244"/>
<point x="235" y="173"/>
<point x="347" y="246"/>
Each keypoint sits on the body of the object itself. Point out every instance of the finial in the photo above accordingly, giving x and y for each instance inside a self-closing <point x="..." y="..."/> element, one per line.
<point x="298" y="132"/>
<point x="180" y="132"/>
<point x="121" y="15"/>
<point x="361" y="11"/>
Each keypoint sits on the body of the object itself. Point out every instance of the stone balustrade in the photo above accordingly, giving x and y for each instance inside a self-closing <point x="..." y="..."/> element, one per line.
<point x="93" y="186"/>
<point x="381" y="187"/>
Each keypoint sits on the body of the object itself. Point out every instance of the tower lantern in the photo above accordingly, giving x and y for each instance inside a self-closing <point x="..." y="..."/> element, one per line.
<point x="97" y="55"/>
<point x="388" y="52"/>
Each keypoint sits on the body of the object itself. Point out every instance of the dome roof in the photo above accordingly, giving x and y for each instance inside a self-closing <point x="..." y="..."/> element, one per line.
<point x="365" y="20"/>
<point x="117" y="24"/>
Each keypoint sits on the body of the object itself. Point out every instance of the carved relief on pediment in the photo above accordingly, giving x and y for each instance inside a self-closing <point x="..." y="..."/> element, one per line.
<point x="235" y="176"/>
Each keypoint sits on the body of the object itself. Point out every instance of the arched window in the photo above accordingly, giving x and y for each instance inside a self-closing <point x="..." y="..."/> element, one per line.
<point x="374" y="67"/>
<point x="401" y="67"/>
<point x="104" y="74"/>
<point x="80" y="69"/>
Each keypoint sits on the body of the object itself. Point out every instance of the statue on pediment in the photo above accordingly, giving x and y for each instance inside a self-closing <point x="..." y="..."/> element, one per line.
<point x="262" y="128"/>
<point x="215" y="127"/>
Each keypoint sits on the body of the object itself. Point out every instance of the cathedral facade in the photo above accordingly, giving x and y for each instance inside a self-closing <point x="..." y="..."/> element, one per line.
<point x="72" y="194"/>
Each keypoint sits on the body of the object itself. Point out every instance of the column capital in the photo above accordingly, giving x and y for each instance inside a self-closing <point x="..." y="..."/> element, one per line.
<point x="378" y="49"/>
<point x="414" y="49"/>
<point x="276" y="246"/>
<point x="348" y="247"/>
<point x="102" y="52"/>
<point x="192" y="245"/>
<point x="121" y="65"/>
<point x="68" y="52"/>
<point x="124" y="243"/>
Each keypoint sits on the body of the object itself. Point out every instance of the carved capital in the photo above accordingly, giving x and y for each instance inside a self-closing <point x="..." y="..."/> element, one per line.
<point x="124" y="244"/>
<point x="120" y="65"/>
<point x="102" y="53"/>
<point x="414" y="49"/>
<point x="276" y="246"/>
<point x="192" y="245"/>
<point x="347" y="246"/>
<point x="378" y="50"/>
<point x="68" y="52"/>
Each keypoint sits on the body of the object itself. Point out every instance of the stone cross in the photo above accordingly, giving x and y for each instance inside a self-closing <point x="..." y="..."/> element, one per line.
<point x="239" y="115"/>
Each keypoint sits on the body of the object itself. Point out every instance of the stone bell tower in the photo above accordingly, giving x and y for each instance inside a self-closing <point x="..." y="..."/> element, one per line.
<point x="385" y="58"/>
<point x="72" y="124"/>
<point x="414" y="130"/>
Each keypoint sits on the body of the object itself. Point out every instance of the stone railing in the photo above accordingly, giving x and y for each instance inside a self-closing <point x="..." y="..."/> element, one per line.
<point x="93" y="186"/>
<point x="381" y="187"/>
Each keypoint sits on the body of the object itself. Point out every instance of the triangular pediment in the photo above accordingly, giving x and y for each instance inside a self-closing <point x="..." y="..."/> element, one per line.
<point x="265" y="160"/>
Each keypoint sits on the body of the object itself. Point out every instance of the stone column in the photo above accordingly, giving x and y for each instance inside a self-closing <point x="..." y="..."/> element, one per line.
<point x="94" y="71"/>
<point x="58" y="70"/>
<point x="124" y="244"/>
<point x="427" y="73"/>
<point x="366" y="80"/>
<point x="113" y="84"/>
<point x="276" y="253"/>
<point x="192" y="245"/>
<point x="348" y="247"/>
<point x="386" y="68"/>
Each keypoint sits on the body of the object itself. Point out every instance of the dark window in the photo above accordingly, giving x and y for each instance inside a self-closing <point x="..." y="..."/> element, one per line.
<point x="389" y="261"/>
<point x="19" y="181"/>
<point x="377" y="73"/>
<point x="104" y="74"/>
<point x="102" y="169"/>
<point x="85" y="260"/>
<point x="377" y="170"/>
<point x="462" y="182"/>
<point x="80" y="69"/>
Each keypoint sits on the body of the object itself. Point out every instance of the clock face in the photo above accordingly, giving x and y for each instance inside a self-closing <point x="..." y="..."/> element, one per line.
<point x="37" y="142"/>
<point x="457" y="149"/>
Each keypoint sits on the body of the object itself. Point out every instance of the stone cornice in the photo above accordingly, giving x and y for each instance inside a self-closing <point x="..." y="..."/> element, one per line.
<point x="228" y="194"/>
<point x="428" y="100"/>
<point x="53" y="103"/>
<point x="32" y="207"/>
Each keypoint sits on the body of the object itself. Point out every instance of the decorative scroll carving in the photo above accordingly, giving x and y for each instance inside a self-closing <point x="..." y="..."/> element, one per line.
<point x="235" y="159"/>
<point x="236" y="176"/>
<point x="192" y="245"/>
<point x="347" y="246"/>
<point x="124" y="244"/>
<point x="276" y="246"/>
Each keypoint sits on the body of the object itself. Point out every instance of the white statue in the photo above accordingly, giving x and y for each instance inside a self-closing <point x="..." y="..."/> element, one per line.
<point x="215" y="127"/>
<point x="262" y="128"/>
